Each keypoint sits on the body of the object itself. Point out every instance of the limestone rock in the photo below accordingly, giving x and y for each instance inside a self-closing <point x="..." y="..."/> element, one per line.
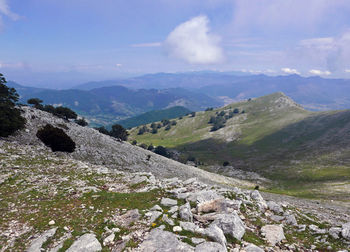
<point x="159" y="240"/>
<point x="129" y="217"/>
<point x="204" y="196"/>
<point x="85" y="243"/>
<point x="210" y="247"/>
<point x="215" y="234"/>
<point x="185" y="212"/>
<point x="252" y="248"/>
<point x="35" y="246"/>
<point x="274" y="207"/>
<point x="168" y="202"/>
<point x="345" y="232"/>
<point x="217" y="205"/>
<point x="316" y="230"/>
<point x="335" y="232"/>
<point x="230" y="224"/>
<point x="273" y="233"/>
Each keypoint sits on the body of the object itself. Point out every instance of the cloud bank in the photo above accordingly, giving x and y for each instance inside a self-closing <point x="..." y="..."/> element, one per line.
<point x="192" y="41"/>
<point x="5" y="11"/>
<point x="319" y="72"/>
<point x="288" y="70"/>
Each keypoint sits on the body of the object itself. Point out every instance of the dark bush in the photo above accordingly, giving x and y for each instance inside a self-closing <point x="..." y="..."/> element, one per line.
<point x="56" y="139"/>
<point x="193" y="114"/>
<point x="236" y="111"/>
<point x="150" y="147"/>
<point x="226" y="163"/>
<point x="65" y="113"/>
<point x="142" y="130"/>
<point x="154" y="131"/>
<point x="160" y="150"/>
<point x="10" y="116"/>
<point x="81" y="122"/>
<point x="173" y="123"/>
<point x="168" y="127"/>
<point x="103" y="130"/>
<point x="144" y="146"/>
<point x="134" y="142"/>
<point x="118" y="131"/>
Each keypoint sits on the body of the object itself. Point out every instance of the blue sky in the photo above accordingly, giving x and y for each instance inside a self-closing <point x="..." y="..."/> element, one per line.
<point x="64" y="42"/>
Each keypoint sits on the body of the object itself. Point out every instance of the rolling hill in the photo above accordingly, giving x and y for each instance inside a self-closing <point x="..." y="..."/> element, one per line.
<point x="306" y="153"/>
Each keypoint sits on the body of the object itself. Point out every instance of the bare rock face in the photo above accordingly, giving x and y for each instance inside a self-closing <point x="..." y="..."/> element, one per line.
<point x="159" y="240"/>
<point x="273" y="233"/>
<point x="185" y="212"/>
<point x="345" y="232"/>
<point x="204" y="196"/>
<point x="36" y="245"/>
<point x="230" y="224"/>
<point x="168" y="202"/>
<point x="86" y="243"/>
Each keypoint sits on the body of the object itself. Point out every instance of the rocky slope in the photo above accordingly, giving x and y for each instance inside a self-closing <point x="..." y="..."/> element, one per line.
<point x="106" y="197"/>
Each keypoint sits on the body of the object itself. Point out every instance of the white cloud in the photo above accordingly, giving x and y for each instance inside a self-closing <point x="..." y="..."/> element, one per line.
<point x="191" y="41"/>
<point x="347" y="71"/>
<point x="5" y="10"/>
<point x="154" y="44"/>
<point x="319" y="72"/>
<point x="118" y="65"/>
<point x="288" y="70"/>
<point x="331" y="52"/>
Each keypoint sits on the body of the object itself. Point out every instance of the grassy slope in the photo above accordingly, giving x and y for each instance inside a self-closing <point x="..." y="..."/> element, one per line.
<point x="305" y="153"/>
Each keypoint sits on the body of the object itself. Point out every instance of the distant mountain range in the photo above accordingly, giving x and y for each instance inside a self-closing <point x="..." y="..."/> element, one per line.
<point x="109" y="101"/>
<point x="106" y="105"/>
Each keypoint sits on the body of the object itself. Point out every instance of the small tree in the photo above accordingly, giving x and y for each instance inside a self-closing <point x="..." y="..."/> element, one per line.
<point x="154" y="131"/>
<point x="65" y="113"/>
<point x="168" y="127"/>
<point x="160" y="150"/>
<point x="81" y="122"/>
<point x="150" y="147"/>
<point x="193" y="114"/>
<point x="10" y="116"/>
<point x="134" y="142"/>
<point x="120" y="132"/>
<point x="103" y="130"/>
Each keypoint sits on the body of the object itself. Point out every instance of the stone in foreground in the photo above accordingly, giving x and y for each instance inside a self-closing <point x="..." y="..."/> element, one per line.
<point x="85" y="243"/>
<point x="210" y="247"/>
<point x="159" y="240"/>
<point x="231" y="224"/>
<point x="38" y="242"/>
<point x="273" y="233"/>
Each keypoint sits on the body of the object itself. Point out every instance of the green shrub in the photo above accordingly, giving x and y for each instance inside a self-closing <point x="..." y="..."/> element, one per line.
<point x="226" y="163"/>
<point x="81" y="122"/>
<point x="10" y="116"/>
<point x="119" y="132"/>
<point x="160" y="150"/>
<point x="56" y="139"/>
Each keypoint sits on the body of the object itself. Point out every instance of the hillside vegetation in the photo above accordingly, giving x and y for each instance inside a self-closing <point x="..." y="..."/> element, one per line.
<point x="154" y="116"/>
<point x="305" y="153"/>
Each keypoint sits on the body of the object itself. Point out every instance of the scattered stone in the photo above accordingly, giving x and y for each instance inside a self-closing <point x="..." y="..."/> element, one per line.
<point x="204" y="196"/>
<point x="36" y="245"/>
<point x="215" y="234"/>
<point x="177" y="229"/>
<point x="291" y="220"/>
<point x="274" y="207"/>
<point x="210" y="247"/>
<point x="197" y="241"/>
<point x="167" y="220"/>
<point x="316" y="230"/>
<point x="52" y="222"/>
<point x="255" y="195"/>
<point x="156" y="208"/>
<point x="273" y="233"/>
<point x="335" y="232"/>
<point x="345" y="232"/>
<point x="185" y="212"/>
<point x="154" y="215"/>
<point x="129" y="217"/>
<point x="109" y="240"/>
<point x="159" y="240"/>
<point x="168" y="202"/>
<point x="230" y="224"/>
<point x="173" y="209"/>
<point x="85" y="243"/>
<point x="252" y="248"/>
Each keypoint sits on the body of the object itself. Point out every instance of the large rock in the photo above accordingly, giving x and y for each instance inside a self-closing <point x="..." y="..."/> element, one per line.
<point x="204" y="196"/>
<point x="210" y="247"/>
<point x="85" y="243"/>
<point x="159" y="240"/>
<point x="185" y="212"/>
<point x="230" y="224"/>
<point x="217" y="205"/>
<point x="255" y="195"/>
<point x="274" y="207"/>
<point x="36" y="245"/>
<point x="345" y="232"/>
<point x="168" y="202"/>
<point x="129" y="217"/>
<point x="215" y="234"/>
<point x="273" y="233"/>
<point x="335" y="232"/>
<point x="252" y="248"/>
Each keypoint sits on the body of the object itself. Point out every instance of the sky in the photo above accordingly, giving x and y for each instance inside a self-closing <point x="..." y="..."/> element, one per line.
<point x="58" y="43"/>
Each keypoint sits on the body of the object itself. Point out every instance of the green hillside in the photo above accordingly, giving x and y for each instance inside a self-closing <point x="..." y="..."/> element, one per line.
<point x="304" y="153"/>
<point x="154" y="116"/>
